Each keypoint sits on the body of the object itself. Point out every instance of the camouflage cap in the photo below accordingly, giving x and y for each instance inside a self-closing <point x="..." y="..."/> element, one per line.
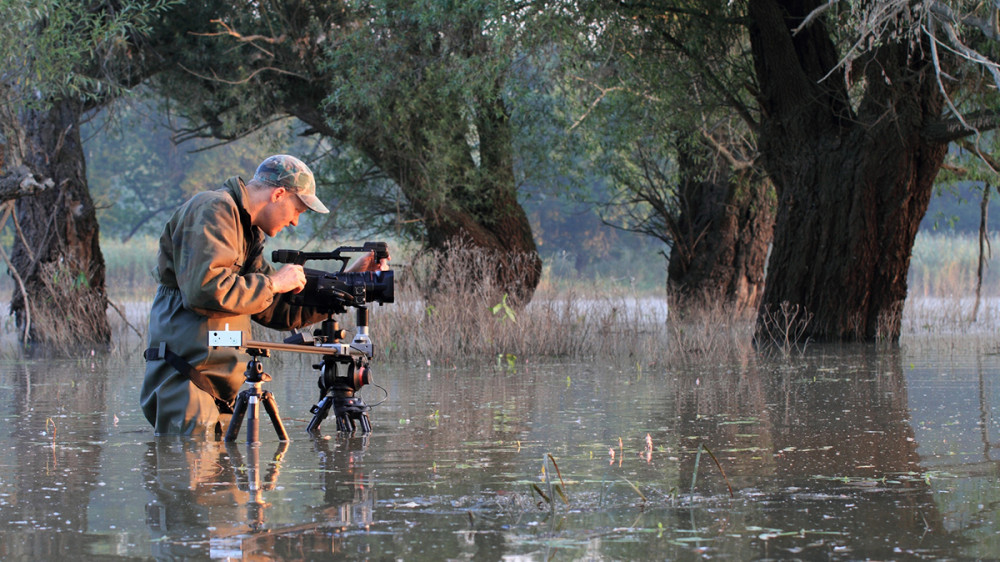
<point x="282" y="170"/>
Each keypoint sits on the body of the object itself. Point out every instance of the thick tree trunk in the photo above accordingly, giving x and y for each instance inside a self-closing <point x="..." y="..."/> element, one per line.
<point x="59" y="258"/>
<point x="720" y="248"/>
<point x="853" y="184"/>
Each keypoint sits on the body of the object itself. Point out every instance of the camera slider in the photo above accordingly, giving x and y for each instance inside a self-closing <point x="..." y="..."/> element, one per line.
<point x="338" y="391"/>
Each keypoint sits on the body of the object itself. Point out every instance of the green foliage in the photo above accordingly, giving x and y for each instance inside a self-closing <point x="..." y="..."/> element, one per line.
<point x="419" y="103"/>
<point x="503" y="307"/>
<point x="661" y="99"/>
<point x="427" y="83"/>
<point x="69" y="48"/>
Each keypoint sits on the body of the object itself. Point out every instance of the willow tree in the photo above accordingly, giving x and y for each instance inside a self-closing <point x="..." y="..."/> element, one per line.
<point x="418" y="88"/>
<point x="858" y="106"/>
<point x="60" y="60"/>
<point x="853" y="106"/>
<point x="666" y="100"/>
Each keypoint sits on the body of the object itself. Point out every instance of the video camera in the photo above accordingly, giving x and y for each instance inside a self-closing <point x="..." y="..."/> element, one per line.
<point x="332" y="293"/>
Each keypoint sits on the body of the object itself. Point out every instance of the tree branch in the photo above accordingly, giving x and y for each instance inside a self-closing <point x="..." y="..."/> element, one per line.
<point x="986" y="158"/>
<point x="948" y="130"/>
<point x="20" y="182"/>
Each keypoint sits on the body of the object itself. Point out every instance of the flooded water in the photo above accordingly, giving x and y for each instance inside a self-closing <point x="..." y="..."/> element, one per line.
<point x="848" y="452"/>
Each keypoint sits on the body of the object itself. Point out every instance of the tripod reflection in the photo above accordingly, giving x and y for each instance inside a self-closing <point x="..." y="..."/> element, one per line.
<point x="228" y="498"/>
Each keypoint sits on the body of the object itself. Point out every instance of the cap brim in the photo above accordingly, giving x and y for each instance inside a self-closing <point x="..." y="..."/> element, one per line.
<point x="313" y="203"/>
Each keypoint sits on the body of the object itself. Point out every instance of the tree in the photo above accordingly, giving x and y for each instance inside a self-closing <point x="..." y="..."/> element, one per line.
<point x="852" y="106"/>
<point x="664" y="86"/>
<point x="60" y="60"/>
<point x="418" y="88"/>
<point x="857" y="110"/>
<point x="137" y="174"/>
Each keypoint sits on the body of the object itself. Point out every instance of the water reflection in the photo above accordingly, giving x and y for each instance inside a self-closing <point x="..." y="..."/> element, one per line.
<point x="210" y="500"/>
<point x="195" y="496"/>
<point x="825" y="452"/>
<point x="50" y="457"/>
<point x="850" y="452"/>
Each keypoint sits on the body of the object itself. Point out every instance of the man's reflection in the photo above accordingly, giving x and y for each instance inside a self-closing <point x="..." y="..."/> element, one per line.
<point x="195" y="496"/>
<point x="213" y="499"/>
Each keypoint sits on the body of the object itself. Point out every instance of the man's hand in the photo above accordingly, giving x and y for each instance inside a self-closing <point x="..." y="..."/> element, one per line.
<point x="289" y="279"/>
<point x="367" y="263"/>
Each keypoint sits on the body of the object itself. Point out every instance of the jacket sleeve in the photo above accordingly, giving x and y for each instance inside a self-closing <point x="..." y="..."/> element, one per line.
<point x="281" y="315"/>
<point x="208" y="260"/>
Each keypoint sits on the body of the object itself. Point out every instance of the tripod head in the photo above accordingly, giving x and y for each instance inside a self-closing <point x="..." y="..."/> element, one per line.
<point x="254" y="373"/>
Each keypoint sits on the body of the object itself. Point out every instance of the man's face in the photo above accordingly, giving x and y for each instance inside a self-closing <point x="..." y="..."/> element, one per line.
<point x="283" y="210"/>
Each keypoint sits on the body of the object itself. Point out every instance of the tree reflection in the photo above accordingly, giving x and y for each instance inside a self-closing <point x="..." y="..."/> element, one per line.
<point x="56" y="423"/>
<point x="822" y="445"/>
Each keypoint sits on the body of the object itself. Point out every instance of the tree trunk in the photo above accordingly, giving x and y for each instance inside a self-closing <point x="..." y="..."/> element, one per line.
<point x="720" y="248"/>
<point x="59" y="258"/>
<point x="853" y="184"/>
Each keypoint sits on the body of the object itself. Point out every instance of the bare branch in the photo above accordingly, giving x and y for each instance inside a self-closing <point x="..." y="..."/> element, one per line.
<point x="957" y="170"/>
<point x="244" y="38"/>
<point x="817" y="12"/>
<point x="992" y="164"/>
<point x="734" y="162"/>
<point x="987" y="28"/>
<point x="948" y="130"/>
<point x="215" y="77"/>
<point x="603" y="94"/>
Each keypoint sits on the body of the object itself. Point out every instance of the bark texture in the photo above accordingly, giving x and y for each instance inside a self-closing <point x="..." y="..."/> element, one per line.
<point x="723" y="233"/>
<point x="853" y="177"/>
<point x="58" y="259"/>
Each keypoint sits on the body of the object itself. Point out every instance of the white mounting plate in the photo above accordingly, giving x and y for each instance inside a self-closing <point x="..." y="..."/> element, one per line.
<point x="225" y="338"/>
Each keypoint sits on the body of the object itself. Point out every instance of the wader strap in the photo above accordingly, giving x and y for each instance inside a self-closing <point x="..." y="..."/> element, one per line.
<point x="182" y="367"/>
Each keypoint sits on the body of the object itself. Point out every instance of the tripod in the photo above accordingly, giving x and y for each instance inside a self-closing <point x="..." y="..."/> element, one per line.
<point x="340" y="392"/>
<point x="248" y="402"/>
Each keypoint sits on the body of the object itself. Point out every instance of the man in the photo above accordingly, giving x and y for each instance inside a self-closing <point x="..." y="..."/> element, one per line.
<point x="212" y="274"/>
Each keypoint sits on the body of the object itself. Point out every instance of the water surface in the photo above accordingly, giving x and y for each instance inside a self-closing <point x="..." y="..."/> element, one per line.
<point x="846" y="452"/>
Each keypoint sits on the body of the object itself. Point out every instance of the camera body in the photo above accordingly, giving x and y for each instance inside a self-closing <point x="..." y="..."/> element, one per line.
<point x="331" y="292"/>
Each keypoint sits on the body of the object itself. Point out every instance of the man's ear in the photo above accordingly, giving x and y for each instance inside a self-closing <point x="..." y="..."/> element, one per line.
<point x="277" y="193"/>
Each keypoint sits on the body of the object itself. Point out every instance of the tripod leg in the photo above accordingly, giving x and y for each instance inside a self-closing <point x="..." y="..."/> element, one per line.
<point x="345" y="424"/>
<point x="239" y="410"/>
<point x="365" y="423"/>
<point x="320" y="411"/>
<point x="271" y="407"/>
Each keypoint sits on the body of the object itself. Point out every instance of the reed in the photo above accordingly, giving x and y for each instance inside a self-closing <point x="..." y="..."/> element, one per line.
<point x="944" y="264"/>
<point x="445" y="315"/>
